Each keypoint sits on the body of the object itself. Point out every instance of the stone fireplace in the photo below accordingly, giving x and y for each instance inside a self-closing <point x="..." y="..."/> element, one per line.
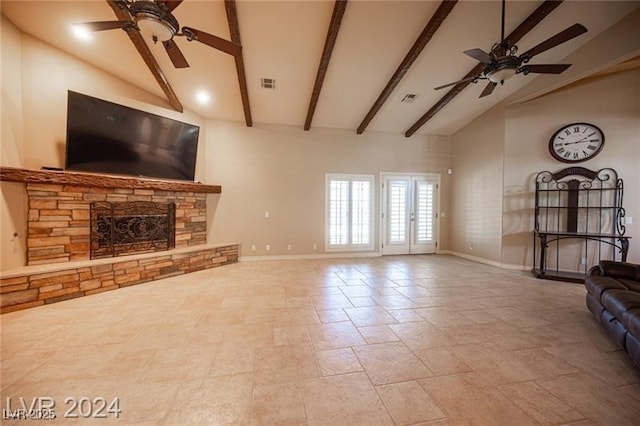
<point x="90" y="233"/>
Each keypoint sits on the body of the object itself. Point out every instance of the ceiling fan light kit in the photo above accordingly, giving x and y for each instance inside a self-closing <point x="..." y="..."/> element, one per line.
<point x="153" y="19"/>
<point x="502" y="63"/>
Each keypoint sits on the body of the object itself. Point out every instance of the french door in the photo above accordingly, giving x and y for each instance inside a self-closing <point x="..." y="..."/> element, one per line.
<point x="409" y="213"/>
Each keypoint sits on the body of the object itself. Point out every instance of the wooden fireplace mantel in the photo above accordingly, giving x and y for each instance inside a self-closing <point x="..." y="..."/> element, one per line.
<point x="15" y="174"/>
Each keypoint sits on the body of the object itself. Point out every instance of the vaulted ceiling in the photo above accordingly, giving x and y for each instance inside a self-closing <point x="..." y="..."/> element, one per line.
<point x="345" y="64"/>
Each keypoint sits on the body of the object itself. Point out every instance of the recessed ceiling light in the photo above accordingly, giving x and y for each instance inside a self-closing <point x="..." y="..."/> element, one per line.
<point x="203" y="97"/>
<point x="81" y="32"/>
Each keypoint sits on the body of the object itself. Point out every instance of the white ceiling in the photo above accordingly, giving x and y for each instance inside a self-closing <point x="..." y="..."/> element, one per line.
<point x="284" y="40"/>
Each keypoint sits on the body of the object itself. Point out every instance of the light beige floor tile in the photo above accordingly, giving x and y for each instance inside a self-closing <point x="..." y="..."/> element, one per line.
<point x="420" y="335"/>
<point x="539" y="404"/>
<point x="370" y="315"/>
<point x="362" y="301"/>
<point x="405" y="315"/>
<point x="338" y="361"/>
<point x="214" y="400"/>
<point x="343" y="400"/>
<point x="378" y="334"/>
<point x="408" y="403"/>
<point x="390" y="363"/>
<point x="280" y="364"/>
<point x="442" y="361"/>
<point x="233" y="360"/>
<point x="278" y="404"/>
<point x="631" y="390"/>
<point x="332" y="315"/>
<point x="609" y="367"/>
<point x="463" y="401"/>
<point x="335" y="335"/>
<point x="290" y="335"/>
<point x="601" y="403"/>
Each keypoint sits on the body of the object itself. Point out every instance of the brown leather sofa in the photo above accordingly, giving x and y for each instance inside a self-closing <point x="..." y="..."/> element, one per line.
<point x="613" y="297"/>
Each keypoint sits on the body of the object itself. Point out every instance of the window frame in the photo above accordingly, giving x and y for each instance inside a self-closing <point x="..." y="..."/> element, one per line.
<point x="370" y="178"/>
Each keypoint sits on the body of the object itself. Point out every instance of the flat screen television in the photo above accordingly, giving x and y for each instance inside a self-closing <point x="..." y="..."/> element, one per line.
<point x="104" y="137"/>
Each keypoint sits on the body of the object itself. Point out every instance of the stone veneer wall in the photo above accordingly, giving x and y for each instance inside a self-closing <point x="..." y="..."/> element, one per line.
<point x="29" y="289"/>
<point x="58" y="218"/>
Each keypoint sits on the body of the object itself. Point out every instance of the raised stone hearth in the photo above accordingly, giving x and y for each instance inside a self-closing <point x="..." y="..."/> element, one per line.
<point x="59" y="235"/>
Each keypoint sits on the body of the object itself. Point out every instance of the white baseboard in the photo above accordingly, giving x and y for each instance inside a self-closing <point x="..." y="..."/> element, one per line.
<point x="345" y="255"/>
<point x="510" y="266"/>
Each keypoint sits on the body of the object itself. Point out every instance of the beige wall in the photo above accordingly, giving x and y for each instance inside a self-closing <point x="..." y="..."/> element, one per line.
<point x="13" y="202"/>
<point x="496" y="158"/>
<point x="35" y="81"/>
<point x="282" y="170"/>
<point x="476" y="209"/>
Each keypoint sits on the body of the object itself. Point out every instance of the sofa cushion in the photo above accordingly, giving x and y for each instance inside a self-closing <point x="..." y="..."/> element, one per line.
<point x="614" y="328"/>
<point x="596" y="285"/>
<point x="633" y="348"/>
<point x="620" y="301"/>
<point x="631" y="285"/>
<point x="631" y="321"/>
<point x="624" y="270"/>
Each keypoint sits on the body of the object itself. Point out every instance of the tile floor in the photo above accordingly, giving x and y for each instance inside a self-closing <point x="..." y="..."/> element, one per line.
<point x="392" y="340"/>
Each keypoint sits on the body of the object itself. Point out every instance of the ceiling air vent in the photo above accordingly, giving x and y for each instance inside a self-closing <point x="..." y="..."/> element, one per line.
<point x="409" y="97"/>
<point x="268" y="83"/>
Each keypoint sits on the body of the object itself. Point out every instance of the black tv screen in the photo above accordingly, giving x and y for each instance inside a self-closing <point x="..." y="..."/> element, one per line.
<point x="104" y="137"/>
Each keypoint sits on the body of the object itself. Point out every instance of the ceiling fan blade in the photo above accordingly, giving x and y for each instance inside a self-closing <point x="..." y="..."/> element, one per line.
<point x="170" y="4"/>
<point x="479" y="55"/>
<point x="464" y="80"/>
<point x="562" y="37"/>
<point x="103" y="25"/>
<point x="221" y="44"/>
<point x="488" y="89"/>
<point x="175" y="54"/>
<point x="547" y="68"/>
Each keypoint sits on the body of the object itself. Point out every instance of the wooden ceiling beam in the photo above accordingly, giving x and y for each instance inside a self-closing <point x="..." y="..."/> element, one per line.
<point x="234" y="30"/>
<point x="429" y="30"/>
<point x="147" y="56"/>
<point x="527" y="25"/>
<point x="329" y="43"/>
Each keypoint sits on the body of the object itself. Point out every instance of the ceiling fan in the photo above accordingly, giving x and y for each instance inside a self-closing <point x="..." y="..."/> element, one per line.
<point x="502" y="63"/>
<point x="155" y="20"/>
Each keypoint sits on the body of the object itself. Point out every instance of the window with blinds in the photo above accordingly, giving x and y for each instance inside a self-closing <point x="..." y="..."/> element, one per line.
<point x="349" y="217"/>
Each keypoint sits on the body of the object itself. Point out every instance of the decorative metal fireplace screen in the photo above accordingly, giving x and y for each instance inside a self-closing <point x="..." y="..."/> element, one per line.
<point x="131" y="227"/>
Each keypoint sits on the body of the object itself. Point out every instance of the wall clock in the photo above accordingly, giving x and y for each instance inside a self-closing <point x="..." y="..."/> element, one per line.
<point x="576" y="142"/>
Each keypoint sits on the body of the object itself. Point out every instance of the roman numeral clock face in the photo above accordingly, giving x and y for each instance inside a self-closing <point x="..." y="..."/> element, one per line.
<point x="576" y="142"/>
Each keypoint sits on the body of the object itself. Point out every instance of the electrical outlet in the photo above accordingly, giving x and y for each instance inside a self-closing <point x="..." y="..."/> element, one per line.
<point x="253" y="247"/>
<point x="628" y="220"/>
<point x="289" y="247"/>
<point x="267" y="247"/>
<point x="266" y="215"/>
<point x="315" y="247"/>
<point x="583" y="261"/>
<point x="470" y="245"/>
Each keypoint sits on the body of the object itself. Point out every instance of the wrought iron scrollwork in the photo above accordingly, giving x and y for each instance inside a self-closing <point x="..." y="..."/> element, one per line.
<point x="129" y="227"/>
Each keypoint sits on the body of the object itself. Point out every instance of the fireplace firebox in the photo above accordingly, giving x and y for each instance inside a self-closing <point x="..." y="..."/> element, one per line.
<point x="122" y="228"/>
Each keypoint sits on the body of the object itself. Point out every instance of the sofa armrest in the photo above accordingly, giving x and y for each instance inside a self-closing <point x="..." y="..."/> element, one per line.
<point x="629" y="271"/>
<point x="595" y="271"/>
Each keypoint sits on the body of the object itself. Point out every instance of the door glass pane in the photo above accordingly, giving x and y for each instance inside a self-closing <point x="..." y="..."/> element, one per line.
<point x="424" y="211"/>
<point x="338" y="212"/>
<point x="360" y="212"/>
<point x="397" y="214"/>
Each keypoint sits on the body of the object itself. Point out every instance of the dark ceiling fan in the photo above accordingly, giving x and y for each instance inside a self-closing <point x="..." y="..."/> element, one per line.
<point x="502" y="63"/>
<point x="155" y="20"/>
